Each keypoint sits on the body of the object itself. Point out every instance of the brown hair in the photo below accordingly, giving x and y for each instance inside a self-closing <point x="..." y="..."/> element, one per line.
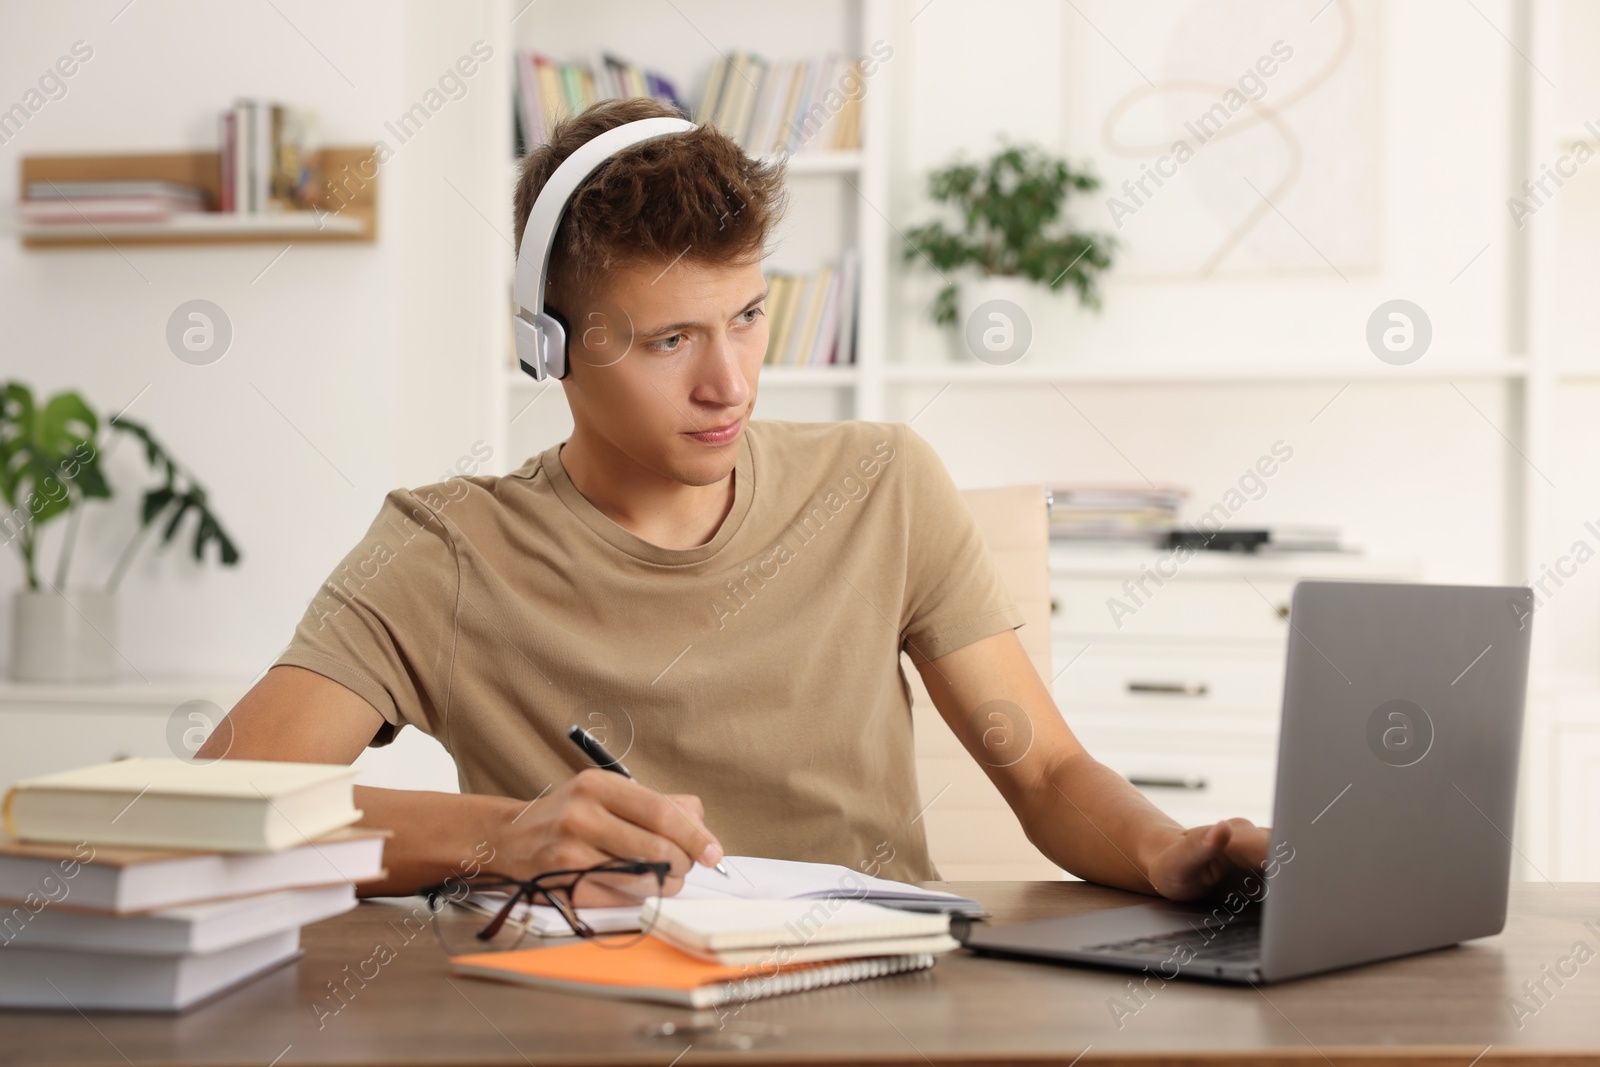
<point x="695" y="195"/>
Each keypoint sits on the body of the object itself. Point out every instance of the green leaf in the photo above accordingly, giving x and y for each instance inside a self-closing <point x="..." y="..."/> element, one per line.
<point x="1013" y="221"/>
<point x="155" y="501"/>
<point x="185" y="502"/>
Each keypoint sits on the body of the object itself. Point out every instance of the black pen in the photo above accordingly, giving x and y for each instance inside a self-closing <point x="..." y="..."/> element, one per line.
<point x="603" y="759"/>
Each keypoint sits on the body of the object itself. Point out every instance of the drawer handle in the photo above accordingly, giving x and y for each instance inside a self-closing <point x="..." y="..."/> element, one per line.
<point x="1192" y="784"/>
<point x="1180" y="689"/>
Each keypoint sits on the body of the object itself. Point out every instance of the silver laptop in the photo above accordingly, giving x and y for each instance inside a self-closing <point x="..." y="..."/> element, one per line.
<point x="1392" y="820"/>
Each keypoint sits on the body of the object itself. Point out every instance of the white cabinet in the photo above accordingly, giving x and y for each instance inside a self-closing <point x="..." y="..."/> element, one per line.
<point x="1176" y="684"/>
<point x="1577" y="802"/>
<point x="1559" y="822"/>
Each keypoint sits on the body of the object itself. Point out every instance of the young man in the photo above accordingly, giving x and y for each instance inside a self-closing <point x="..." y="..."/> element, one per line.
<point x="728" y="598"/>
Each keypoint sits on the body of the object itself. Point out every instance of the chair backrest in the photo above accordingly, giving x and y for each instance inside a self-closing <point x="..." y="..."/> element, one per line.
<point x="972" y="832"/>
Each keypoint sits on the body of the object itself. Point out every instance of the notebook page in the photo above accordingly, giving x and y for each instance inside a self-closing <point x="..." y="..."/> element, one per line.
<point x="748" y="878"/>
<point x="761" y="878"/>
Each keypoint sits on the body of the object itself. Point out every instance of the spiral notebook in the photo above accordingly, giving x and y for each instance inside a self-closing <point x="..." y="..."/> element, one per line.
<point x="656" y="971"/>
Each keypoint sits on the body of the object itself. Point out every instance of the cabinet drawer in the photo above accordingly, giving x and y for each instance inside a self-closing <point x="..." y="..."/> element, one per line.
<point x="1168" y="678"/>
<point x="1187" y="769"/>
<point x="1204" y="609"/>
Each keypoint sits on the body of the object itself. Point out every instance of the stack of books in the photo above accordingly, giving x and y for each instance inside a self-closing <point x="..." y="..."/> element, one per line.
<point x="265" y="157"/>
<point x="811" y="318"/>
<point x="547" y="91"/>
<point x="74" y="203"/>
<point x="769" y="108"/>
<point x="151" y="885"/>
<point x="706" y="953"/>
<point x="1141" y="513"/>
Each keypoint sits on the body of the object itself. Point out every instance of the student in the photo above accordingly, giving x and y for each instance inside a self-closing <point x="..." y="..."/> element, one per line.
<point x="727" y="598"/>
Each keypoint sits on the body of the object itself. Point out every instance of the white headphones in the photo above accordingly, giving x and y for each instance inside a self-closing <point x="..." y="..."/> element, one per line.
<point x="541" y="337"/>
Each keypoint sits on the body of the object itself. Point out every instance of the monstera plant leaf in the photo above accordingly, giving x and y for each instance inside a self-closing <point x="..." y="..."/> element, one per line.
<point x="173" y="502"/>
<point x="50" y="466"/>
<point x="49" y="462"/>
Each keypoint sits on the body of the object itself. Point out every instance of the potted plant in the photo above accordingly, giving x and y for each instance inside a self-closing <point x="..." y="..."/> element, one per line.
<point x="50" y="468"/>
<point x="1011" y="233"/>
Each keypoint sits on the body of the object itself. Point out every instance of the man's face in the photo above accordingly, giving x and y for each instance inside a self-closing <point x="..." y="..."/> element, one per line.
<point x="665" y="361"/>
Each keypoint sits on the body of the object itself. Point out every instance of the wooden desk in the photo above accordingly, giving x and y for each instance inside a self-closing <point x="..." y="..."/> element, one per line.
<point x="1441" y="1008"/>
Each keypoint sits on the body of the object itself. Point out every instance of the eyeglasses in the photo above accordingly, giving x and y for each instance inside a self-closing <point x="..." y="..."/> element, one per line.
<point x="509" y="924"/>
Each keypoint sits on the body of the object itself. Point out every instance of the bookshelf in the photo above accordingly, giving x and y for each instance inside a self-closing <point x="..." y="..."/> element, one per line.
<point x="356" y="220"/>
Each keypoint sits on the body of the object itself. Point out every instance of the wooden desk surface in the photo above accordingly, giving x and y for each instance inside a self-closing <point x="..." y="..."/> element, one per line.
<point x="1444" y="1007"/>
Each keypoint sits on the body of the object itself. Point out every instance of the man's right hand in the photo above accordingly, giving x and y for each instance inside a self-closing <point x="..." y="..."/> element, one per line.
<point x="597" y="816"/>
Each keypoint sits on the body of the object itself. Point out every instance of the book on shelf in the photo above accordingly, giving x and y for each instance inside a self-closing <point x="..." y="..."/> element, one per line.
<point x="74" y="203"/>
<point x="90" y="207"/>
<point x="785" y="107"/>
<point x="547" y="90"/>
<point x="265" y="148"/>
<point x="1114" y="512"/>
<point x="767" y="107"/>
<point x="811" y="317"/>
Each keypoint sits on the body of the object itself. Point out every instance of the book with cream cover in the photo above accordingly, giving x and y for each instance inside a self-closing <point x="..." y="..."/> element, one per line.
<point x="739" y="932"/>
<point x="229" y="805"/>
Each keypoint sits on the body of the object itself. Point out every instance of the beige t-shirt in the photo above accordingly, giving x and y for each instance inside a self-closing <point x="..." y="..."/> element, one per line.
<point x="760" y="671"/>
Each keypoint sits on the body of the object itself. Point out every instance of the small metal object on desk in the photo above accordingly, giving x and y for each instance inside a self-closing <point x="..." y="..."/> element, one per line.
<point x="707" y="1029"/>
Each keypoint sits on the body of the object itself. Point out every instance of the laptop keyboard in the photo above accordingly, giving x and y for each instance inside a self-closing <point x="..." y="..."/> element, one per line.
<point x="1236" y="942"/>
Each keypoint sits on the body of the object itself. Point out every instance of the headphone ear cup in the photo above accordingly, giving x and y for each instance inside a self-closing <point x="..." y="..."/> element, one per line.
<point x="550" y="331"/>
<point x="557" y="335"/>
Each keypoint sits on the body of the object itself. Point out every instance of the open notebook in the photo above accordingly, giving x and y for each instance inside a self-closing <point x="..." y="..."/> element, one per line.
<point x="754" y="878"/>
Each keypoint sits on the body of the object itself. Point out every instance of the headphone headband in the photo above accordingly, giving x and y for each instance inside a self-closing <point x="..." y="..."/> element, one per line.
<point x="540" y="337"/>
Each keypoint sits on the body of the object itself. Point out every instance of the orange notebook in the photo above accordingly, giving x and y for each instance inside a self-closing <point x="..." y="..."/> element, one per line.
<point x="654" y="970"/>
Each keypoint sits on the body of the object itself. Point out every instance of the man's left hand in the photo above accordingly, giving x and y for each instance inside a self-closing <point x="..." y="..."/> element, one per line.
<point x="1208" y="860"/>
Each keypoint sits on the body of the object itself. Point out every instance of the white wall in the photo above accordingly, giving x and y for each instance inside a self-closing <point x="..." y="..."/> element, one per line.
<point x="1409" y="470"/>
<point x="365" y="349"/>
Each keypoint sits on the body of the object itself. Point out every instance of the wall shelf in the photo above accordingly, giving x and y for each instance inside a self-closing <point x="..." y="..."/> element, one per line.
<point x="350" y="215"/>
<point x="802" y="163"/>
<point x="1134" y="373"/>
<point x="782" y="377"/>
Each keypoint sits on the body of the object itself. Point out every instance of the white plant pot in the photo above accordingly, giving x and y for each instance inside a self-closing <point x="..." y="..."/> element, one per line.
<point x="63" y="637"/>
<point x="1003" y="332"/>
